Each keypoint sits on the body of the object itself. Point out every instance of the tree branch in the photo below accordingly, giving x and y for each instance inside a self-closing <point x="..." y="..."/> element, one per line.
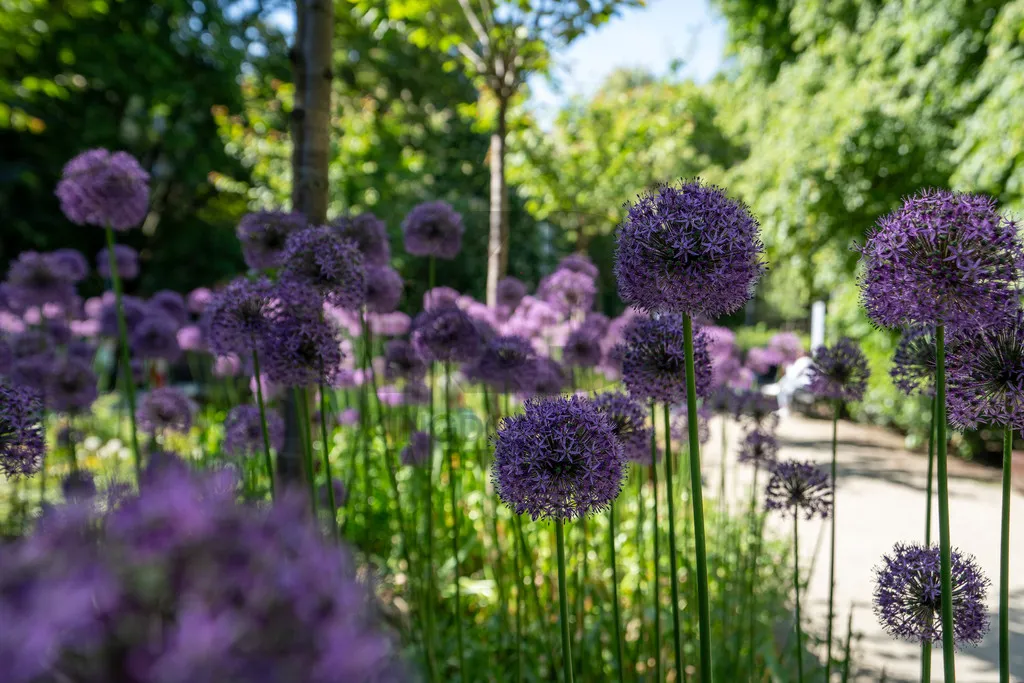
<point x="474" y="23"/>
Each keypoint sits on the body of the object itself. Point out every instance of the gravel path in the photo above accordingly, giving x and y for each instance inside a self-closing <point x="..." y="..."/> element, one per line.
<point x="880" y="501"/>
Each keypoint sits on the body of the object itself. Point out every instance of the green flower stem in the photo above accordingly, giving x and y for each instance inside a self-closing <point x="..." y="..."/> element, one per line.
<point x="453" y="485"/>
<point x="642" y="580"/>
<point x="697" y="497"/>
<point x="796" y="588"/>
<point x="563" y="603"/>
<point x="846" y="654"/>
<point x="263" y="421"/>
<point x="1004" y="562"/>
<point x="615" y="593"/>
<point x="581" y="598"/>
<point x="126" y="361"/>
<point x="302" y="401"/>
<point x="926" y="647"/>
<point x="657" y="551"/>
<point x="832" y="544"/>
<point x="945" y="553"/>
<point x="326" y="453"/>
<point x="677" y="636"/>
<point x="519" y="611"/>
<point x="755" y="528"/>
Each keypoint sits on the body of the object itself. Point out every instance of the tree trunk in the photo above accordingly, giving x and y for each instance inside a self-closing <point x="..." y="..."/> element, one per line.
<point x="497" y="239"/>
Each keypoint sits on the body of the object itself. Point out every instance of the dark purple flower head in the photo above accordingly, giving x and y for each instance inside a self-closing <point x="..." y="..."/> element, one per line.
<point x="799" y="487"/>
<point x="908" y="596"/>
<point x="913" y="363"/>
<point x="402" y="362"/>
<point x="583" y="348"/>
<point x="71" y="263"/>
<point x="79" y="486"/>
<point x="22" y="441"/>
<point x="446" y="333"/>
<point x="943" y="258"/>
<point x="243" y="433"/>
<point x="134" y="311"/>
<point x="510" y="292"/>
<point x="629" y="424"/>
<point x="36" y="279"/>
<point x="166" y="408"/>
<point x="759" y="447"/>
<point x="33" y="373"/>
<point x="31" y="342"/>
<point x="239" y="316"/>
<point x="433" y="229"/>
<point x="568" y="291"/>
<point x="549" y="377"/>
<point x="383" y="289"/>
<point x="71" y="385"/>
<point x="301" y="351"/>
<point x="688" y="249"/>
<point x="654" y="365"/>
<point x="507" y="363"/>
<point x="985" y="378"/>
<point x="156" y="336"/>
<point x="6" y="357"/>
<point x="102" y="188"/>
<point x="761" y="411"/>
<point x="680" y="424"/>
<point x="598" y="323"/>
<point x="440" y="296"/>
<point x="417" y="452"/>
<point x="559" y="459"/>
<point x="840" y="372"/>
<point x="126" y="259"/>
<point x="579" y="263"/>
<point x="58" y="330"/>
<point x="263" y="236"/>
<point x="415" y="393"/>
<point x="320" y="260"/>
<point x="171" y="303"/>
<point x="370" y="235"/>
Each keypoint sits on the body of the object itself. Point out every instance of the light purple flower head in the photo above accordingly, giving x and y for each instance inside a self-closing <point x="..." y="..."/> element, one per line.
<point x="198" y="299"/>
<point x="392" y="324"/>
<point x="840" y="372"/>
<point x="71" y="385"/>
<point x="125" y="258"/>
<point x="171" y="303"/>
<point x="654" y="365"/>
<point x="229" y="365"/>
<point x="913" y="363"/>
<point x="579" y="263"/>
<point x="763" y="360"/>
<point x="759" y="447"/>
<point x="35" y="279"/>
<point x="583" y="348"/>
<point x="370" y="235"/>
<point x="263" y="236"/>
<point x="559" y="459"/>
<point x="568" y="291"/>
<point x="383" y="289"/>
<point x="243" y="432"/>
<point x="507" y="363"/>
<point x="510" y="292"/>
<point x="22" y="440"/>
<point x="301" y="351"/>
<point x="440" y="296"/>
<point x="155" y="336"/>
<point x="101" y="188"/>
<point x="166" y="408"/>
<point x="71" y="263"/>
<point x="721" y="341"/>
<point x="799" y="488"/>
<point x="433" y="229"/>
<point x="446" y="333"/>
<point x="788" y="345"/>
<point x="416" y="453"/>
<point x="628" y="418"/>
<point x="985" y="378"/>
<point x="190" y="338"/>
<point x="943" y="258"/>
<point x="688" y="249"/>
<point x="320" y="260"/>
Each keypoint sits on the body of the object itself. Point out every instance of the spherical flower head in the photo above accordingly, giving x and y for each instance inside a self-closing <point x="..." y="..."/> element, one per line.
<point x="320" y="260"/>
<point x="417" y="452"/>
<point x="839" y="372"/>
<point x="6" y="357"/>
<point x="391" y="324"/>
<point x="79" y="486"/>
<point x="985" y="377"/>
<point x="913" y="363"/>
<point x="787" y="345"/>
<point x="172" y="304"/>
<point x="579" y="263"/>
<point x="763" y="360"/>
<point x="759" y="447"/>
<point x="134" y="311"/>
<point x="31" y="342"/>
<point x="71" y="263"/>
<point x="680" y="424"/>
<point x="263" y="236"/>
<point x="165" y="409"/>
<point x="243" y="432"/>
<point x="370" y="235"/>
<point x="401" y="361"/>
<point x="433" y="229"/>
<point x="583" y="348"/>
<point x="191" y="338"/>
<point x="446" y="333"/>
<point x="507" y="363"/>
<point x="799" y="488"/>
<point x="102" y="188"/>
<point x="156" y="336"/>
<point x="688" y="249"/>
<point x="126" y="260"/>
<point x="559" y="459"/>
<point x="760" y="411"/>
<point x="568" y="291"/>
<point x="242" y="314"/>
<point x="36" y="279"/>
<point x="654" y="365"/>
<point x="721" y="341"/>
<point x="22" y="440"/>
<point x="628" y="419"/>
<point x="71" y="385"/>
<point x="440" y="296"/>
<point x="908" y="596"/>
<point x="198" y="299"/>
<point x="510" y="292"/>
<point x="301" y="351"/>
<point x="549" y="377"/>
<point x="383" y="289"/>
<point x="943" y="258"/>
<point x="33" y="373"/>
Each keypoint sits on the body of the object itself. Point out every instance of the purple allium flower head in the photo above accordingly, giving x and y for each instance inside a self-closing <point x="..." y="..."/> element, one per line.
<point x="198" y="299"/>
<point x="840" y="372"/>
<point x="31" y="342"/>
<point x="22" y="440"/>
<point x="908" y="596"/>
<point x="263" y="236"/>
<point x="241" y="314"/>
<point x="391" y="324"/>
<point x="654" y="365"/>
<point x="799" y="487"/>
<point x="721" y="341"/>
<point x="81" y="349"/>
<point x="549" y="377"/>
<point x="760" y="411"/>
<point x="597" y="322"/>
<point x="301" y="351"/>
<point x="401" y="361"/>
<point x="125" y="258"/>
<point x="510" y="292"/>
<point x="688" y="249"/>
<point x="58" y="330"/>
<point x="985" y="382"/>
<point x="320" y="260"/>
<point x="102" y="188"/>
<point x="568" y="291"/>
<point x="134" y="311"/>
<point x="579" y="263"/>
<point x="370" y="235"/>
<point x="433" y="229"/>
<point x="507" y="363"/>
<point x="440" y="296"/>
<point x="229" y="365"/>
<point x="383" y="289"/>
<point x="190" y="338"/>
<point x="71" y="385"/>
<point x="71" y="263"/>
<point x="583" y="348"/>
<point x="913" y="363"/>
<point x="156" y="336"/>
<point x="788" y="345"/>
<point x="415" y="393"/>
<point x="33" y="373"/>
<point x="559" y="459"/>
<point x="36" y="279"/>
<point x="243" y="433"/>
<point x="171" y="303"/>
<point x="763" y="360"/>
<point x="943" y="258"/>
<point x="79" y="486"/>
<point x="759" y="447"/>
<point x="628" y="418"/>
<point x="6" y="357"/>
<point x="679" y="425"/>
<point x="446" y="333"/>
<point x="417" y="452"/>
<point x="166" y="408"/>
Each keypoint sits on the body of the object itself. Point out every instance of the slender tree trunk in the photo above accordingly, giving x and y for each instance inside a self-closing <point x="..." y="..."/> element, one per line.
<point x="298" y="118"/>
<point x="497" y="240"/>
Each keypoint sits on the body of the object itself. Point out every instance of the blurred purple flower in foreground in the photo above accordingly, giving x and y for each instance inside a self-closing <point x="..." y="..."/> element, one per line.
<point x="101" y="188"/>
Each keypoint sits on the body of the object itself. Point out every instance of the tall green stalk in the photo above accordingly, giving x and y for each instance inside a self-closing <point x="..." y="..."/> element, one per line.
<point x="832" y="544"/>
<point x="327" y="459"/>
<point x="945" y="553"/>
<point x="126" y="361"/>
<point x="615" y="593"/>
<point x="430" y="591"/>
<point x="755" y="527"/>
<point x="657" y="551"/>
<point x="519" y="609"/>
<point x="263" y="421"/>
<point x="697" y="497"/>
<point x="563" y="603"/>
<point x="926" y="647"/>
<point x="796" y="588"/>
<point x="677" y="636"/>
<point x="453" y="497"/>
<point x="302" y="402"/>
<point x="1004" y="561"/>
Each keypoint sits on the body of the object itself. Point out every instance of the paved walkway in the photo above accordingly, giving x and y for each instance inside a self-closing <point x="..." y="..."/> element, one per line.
<point x="880" y="501"/>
